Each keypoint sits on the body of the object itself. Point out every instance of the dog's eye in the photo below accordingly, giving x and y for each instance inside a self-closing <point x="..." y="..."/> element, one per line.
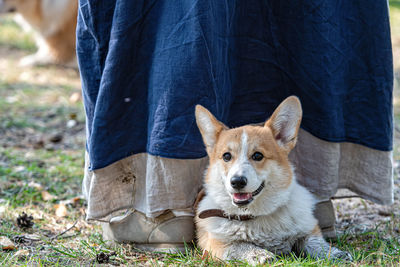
<point x="257" y="156"/>
<point x="227" y="156"/>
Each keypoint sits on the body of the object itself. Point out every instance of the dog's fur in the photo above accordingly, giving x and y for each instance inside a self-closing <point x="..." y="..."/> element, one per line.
<point x="283" y="210"/>
<point x="54" y="22"/>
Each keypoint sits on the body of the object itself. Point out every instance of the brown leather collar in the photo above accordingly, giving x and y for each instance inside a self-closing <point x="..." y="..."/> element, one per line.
<point x="220" y="213"/>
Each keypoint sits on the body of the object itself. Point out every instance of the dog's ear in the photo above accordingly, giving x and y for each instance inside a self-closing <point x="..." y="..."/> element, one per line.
<point x="285" y="122"/>
<point x="209" y="126"/>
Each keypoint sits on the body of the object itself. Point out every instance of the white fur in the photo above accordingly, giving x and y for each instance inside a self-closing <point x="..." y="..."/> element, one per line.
<point x="205" y="123"/>
<point x="26" y="27"/>
<point x="285" y="122"/>
<point x="242" y="167"/>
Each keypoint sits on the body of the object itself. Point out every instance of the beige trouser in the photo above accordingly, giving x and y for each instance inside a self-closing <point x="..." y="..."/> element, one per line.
<point x="153" y="184"/>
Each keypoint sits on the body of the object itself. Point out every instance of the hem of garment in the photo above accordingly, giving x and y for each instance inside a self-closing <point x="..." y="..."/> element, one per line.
<point x="189" y="155"/>
<point x="155" y="153"/>
<point x="335" y="158"/>
<point x="344" y="184"/>
<point x="370" y="198"/>
<point x="106" y="216"/>
<point x="104" y="201"/>
<point x="347" y="140"/>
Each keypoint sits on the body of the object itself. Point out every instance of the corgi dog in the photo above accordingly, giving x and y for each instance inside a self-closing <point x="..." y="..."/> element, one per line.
<point x="253" y="208"/>
<point x="54" y="24"/>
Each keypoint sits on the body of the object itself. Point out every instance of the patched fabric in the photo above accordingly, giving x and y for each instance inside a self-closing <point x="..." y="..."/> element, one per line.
<point x="149" y="184"/>
<point x="163" y="184"/>
<point x="145" y="65"/>
<point x="324" y="167"/>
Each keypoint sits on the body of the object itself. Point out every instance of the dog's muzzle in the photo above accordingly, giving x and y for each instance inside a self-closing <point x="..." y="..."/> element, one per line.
<point x="242" y="199"/>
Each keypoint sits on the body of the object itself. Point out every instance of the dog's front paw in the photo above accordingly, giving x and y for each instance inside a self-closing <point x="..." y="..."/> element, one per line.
<point x="341" y="255"/>
<point x="258" y="256"/>
<point x="248" y="252"/>
<point x="35" y="60"/>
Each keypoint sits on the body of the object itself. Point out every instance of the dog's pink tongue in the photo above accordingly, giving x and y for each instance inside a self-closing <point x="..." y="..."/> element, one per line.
<point x="242" y="196"/>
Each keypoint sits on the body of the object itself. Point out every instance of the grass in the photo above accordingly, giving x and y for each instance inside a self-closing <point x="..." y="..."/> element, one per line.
<point x="54" y="170"/>
<point x="395" y="30"/>
<point x="38" y="176"/>
<point x="11" y="35"/>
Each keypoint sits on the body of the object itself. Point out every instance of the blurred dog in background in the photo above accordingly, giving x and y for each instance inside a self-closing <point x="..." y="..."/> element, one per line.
<point x="54" y="23"/>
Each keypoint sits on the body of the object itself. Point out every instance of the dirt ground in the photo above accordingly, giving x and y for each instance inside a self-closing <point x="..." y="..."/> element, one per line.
<point x="50" y="99"/>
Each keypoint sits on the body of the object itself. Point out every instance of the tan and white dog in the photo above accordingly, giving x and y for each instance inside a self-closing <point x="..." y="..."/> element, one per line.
<point x="253" y="207"/>
<point x="54" y="24"/>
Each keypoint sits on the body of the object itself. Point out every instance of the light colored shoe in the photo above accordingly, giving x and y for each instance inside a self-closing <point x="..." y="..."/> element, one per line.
<point x="165" y="233"/>
<point x="325" y="214"/>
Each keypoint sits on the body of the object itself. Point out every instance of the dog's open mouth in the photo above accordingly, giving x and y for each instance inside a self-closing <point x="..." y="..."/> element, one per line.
<point x="241" y="199"/>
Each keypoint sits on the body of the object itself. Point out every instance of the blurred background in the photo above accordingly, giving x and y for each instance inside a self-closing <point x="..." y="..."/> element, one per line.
<point x="42" y="144"/>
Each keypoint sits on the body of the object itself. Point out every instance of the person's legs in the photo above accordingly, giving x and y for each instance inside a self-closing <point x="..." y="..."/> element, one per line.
<point x="324" y="167"/>
<point x="325" y="214"/>
<point x="154" y="194"/>
<point x="167" y="232"/>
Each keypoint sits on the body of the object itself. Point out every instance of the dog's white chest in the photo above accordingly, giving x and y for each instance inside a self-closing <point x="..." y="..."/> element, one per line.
<point x="276" y="231"/>
<point x="275" y="238"/>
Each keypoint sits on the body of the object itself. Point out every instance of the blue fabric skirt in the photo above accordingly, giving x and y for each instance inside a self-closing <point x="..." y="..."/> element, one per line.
<point x="145" y="65"/>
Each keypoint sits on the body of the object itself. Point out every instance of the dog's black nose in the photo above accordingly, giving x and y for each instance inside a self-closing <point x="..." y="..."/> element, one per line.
<point x="238" y="182"/>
